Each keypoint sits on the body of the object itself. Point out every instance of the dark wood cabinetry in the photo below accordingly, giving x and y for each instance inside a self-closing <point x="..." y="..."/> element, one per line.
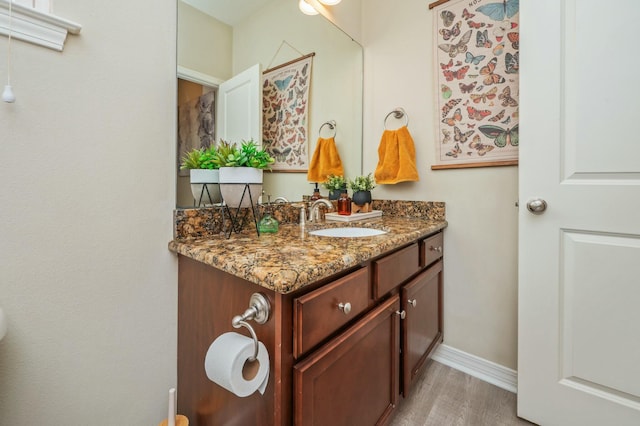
<point x="422" y="330"/>
<point x="353" y="379"/>
<point x="342" y="352"/>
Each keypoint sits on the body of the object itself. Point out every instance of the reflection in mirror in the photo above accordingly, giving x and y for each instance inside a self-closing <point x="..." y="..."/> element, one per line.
<point x="212" y="51"/>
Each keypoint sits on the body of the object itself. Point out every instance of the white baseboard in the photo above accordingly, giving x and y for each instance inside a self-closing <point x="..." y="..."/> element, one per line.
<point x="475" y="366"/>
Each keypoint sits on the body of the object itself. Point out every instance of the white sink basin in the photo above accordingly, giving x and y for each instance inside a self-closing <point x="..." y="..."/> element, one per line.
<point x="347" y="232"/>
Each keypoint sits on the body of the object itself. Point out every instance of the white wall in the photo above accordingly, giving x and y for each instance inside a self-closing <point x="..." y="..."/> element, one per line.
<point x="345" y="15"/>
<point x="205" y="46"/>
<point x="480" y="315"/>
<point x="88" y="188"/>
<point x="204" y="43"/>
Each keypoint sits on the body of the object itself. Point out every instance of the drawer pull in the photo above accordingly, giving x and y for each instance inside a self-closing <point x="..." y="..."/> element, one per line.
<point x="402" y="314"/>
<point x="412" y="302"/>
<point x="436" y="249"/>
<point x="345" y="307"/>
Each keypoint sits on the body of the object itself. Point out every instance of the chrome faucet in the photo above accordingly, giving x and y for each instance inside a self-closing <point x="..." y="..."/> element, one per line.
<point x="280" y="200"/>
<point x="314" y="214"/>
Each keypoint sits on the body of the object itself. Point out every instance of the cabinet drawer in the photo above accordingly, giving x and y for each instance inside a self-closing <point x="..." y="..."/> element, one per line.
<point x="431" y="249"/>
<point x="392" y="270"/>
<point x="319" y="313"/>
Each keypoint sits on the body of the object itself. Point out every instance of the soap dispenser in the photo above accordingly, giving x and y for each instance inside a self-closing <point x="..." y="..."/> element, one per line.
<point x="344" y="204"/>
<point x="316" y="193"/>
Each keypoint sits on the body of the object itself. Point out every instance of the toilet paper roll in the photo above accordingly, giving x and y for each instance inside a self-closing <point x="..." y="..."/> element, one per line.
<point x="226" y="358"/>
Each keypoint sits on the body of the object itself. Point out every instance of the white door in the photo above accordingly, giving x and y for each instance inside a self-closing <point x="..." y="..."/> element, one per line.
<point x="579" y="261"/>
<point x="239" y="115"/>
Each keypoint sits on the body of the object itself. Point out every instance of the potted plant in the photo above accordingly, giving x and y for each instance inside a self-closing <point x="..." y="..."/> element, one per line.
<point x="203" y="174"/>
<point x="239" y="166"/>
<point x="361" y="187"/>
<point x="335" y="184"/>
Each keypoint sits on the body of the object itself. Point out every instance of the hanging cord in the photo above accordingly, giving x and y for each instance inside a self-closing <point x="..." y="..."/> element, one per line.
<point x="7" y="94"/>
<point x="278" y="51"/>
<point x="9" y="42"/>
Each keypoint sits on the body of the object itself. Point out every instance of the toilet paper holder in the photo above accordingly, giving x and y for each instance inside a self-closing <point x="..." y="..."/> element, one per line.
<point x="259" y="311"/>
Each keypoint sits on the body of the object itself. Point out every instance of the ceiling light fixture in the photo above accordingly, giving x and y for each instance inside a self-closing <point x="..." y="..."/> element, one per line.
<point x="330" y="2"/>
<point x="306" y="8"/>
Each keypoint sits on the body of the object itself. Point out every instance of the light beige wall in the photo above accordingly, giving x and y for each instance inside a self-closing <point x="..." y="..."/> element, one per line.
<point x="336" y="80"/>
<point x="345" y="15"/>
<point x="88" y="187"/>
<point x="481" y="241"/>
<point x="204" y="43"/>
<point x="205" y="46"/>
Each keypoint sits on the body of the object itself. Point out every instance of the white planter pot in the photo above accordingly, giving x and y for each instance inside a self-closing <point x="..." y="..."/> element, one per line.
<point x="204" y="186"/>
<point x="232" y="185"/>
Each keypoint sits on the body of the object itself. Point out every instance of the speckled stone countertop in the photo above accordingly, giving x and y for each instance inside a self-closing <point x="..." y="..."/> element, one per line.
<point x="292" y="258"/>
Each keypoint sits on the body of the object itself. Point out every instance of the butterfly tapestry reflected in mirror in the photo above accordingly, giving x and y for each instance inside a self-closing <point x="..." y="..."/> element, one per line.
<point x="285" y="92"/>
<point x="478" y="63"/>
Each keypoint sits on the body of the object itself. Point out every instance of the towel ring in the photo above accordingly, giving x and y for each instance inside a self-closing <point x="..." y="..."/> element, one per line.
<point x="397" y="113"/>
<point x="332" y="125"/>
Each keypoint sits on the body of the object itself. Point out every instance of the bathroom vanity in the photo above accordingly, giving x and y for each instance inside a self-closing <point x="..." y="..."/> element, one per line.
<point x="352" y="320"/>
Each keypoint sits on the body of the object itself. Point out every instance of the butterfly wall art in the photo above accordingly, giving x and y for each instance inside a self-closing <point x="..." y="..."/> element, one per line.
<point x="285" y="93"/>
<point x="476" y="48"/>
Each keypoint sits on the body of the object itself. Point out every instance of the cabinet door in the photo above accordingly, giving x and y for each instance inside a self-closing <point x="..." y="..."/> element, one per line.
<point x="353" y="379"/>
<point x="422" y="327"/>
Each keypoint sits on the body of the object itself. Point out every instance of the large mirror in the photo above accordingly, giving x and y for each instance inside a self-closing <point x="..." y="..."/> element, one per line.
<point x="213" y="49"/>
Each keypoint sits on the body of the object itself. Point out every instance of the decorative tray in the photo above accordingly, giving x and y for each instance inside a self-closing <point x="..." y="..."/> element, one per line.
<point x="353" y="217"/>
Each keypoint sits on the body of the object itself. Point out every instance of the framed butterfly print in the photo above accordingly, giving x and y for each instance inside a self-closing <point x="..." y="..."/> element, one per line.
<point x="476" y="53"/>
<point x="285" y="100"/>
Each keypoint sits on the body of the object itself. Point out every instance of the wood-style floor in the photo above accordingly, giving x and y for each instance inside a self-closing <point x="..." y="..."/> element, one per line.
<point x="447" y="397"/>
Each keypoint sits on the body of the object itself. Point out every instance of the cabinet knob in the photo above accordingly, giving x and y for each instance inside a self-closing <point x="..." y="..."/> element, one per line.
<point x="345" y="307"/>
<point x="402" y="314"/>
<point x="436" y="249"/>
<point x="412" y="302"/>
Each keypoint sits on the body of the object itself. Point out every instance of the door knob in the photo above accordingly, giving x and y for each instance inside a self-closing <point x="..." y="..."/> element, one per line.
<point x="537" y="205"/>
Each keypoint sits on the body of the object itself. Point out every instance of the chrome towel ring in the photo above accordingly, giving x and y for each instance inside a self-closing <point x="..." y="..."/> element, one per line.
<point x="397" y="113"/>
<point x="332" y="125"/>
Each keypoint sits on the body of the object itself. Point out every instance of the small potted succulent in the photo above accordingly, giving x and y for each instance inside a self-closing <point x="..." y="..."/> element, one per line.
<point x="361" y="187"/>
<point x="203" y="174"/>
<point x="335" y="184"/>
<point x="240" y="166"/>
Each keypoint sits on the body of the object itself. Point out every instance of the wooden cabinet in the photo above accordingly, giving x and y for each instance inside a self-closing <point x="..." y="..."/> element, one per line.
<point x="422" y="327"/>
<point x="353" y="379"/>
<point x="342" y="351"/>
<point x="347" y="380"/>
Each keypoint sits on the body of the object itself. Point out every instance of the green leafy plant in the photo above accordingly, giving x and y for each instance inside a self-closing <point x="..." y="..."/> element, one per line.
<point x="362" y="183"/>
<point x="200" y="158"/>
<point x="191" y="159"/>
<point x="335" y="183"/>
<point x="248" y="154"/>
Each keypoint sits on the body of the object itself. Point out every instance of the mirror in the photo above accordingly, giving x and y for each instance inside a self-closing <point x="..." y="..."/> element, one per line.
<point x="277" y="32"/>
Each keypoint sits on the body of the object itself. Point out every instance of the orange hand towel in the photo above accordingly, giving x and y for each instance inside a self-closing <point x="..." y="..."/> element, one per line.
<point x="396" y="157"/>
<point x="325" y="161"/>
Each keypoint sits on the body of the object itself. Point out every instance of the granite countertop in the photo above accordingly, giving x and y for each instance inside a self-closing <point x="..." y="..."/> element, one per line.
<point x="292" y="258"/>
